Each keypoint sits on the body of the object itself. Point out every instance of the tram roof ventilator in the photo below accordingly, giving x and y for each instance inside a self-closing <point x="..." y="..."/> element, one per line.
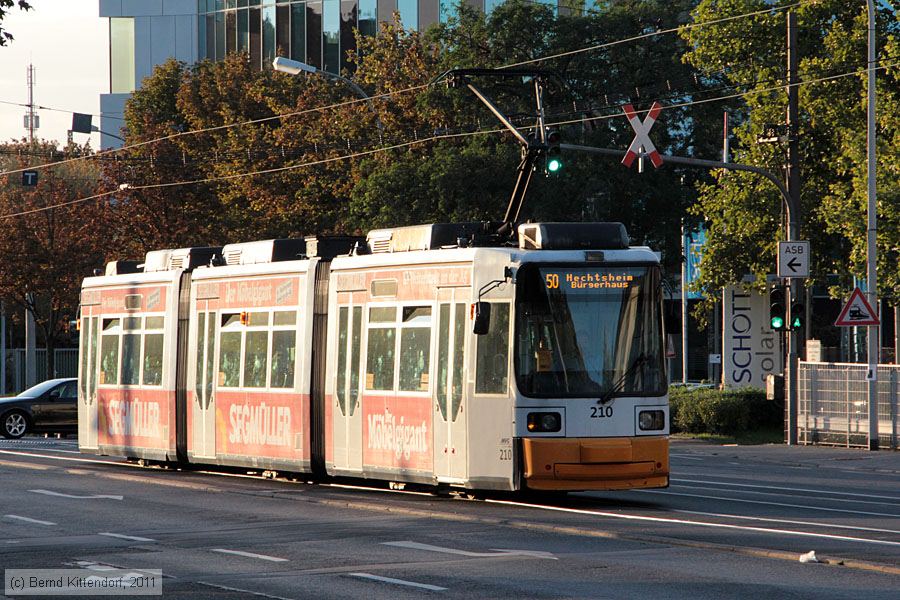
<point x="531" y="236"/>
<point x="278" y="250"/>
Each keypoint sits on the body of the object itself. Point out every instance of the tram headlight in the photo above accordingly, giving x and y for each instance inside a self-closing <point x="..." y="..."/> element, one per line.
<point x="649" y="420"/>
<point x="544" y="421"/>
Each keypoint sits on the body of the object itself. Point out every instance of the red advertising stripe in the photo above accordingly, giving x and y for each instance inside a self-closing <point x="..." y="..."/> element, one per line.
<point x="397" y="432"/>
<point x="262" y="424"/>
<point x="138" y="418"/>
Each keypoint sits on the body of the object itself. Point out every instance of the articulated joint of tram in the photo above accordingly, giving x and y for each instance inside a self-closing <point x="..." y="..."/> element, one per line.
<point x="595" y="463"/>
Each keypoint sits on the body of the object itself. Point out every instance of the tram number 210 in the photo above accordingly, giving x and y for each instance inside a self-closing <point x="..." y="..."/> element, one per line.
<point x="601" y="412"/>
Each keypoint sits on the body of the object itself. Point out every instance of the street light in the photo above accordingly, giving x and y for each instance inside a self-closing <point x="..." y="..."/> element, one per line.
<point x="295" y="67"/>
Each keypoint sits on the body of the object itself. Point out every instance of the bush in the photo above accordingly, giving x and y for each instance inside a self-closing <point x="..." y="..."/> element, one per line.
<point x="722" y="412"/>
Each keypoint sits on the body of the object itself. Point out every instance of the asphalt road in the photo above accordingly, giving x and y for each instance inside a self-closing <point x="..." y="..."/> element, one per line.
<point x="734" y="524"/>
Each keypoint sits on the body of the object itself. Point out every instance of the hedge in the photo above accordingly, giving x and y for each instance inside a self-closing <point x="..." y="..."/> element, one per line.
<point x="723" y="412"/>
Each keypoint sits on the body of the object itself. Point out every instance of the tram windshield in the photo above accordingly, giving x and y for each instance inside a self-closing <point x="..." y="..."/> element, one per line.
<point x="589" y="331"/>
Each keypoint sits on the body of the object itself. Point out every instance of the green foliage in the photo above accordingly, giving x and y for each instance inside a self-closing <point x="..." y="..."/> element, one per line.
<point x="5" y="5"/>
<point x="743" y="212"/>
<point x="722" y="412"/>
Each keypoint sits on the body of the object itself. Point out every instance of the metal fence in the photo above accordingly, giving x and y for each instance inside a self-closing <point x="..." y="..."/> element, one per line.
<point x="65" y="365"/>
<point x="833" y="405"/>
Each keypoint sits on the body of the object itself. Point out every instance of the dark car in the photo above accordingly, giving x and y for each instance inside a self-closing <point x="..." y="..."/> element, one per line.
<point x="49" y="407"/>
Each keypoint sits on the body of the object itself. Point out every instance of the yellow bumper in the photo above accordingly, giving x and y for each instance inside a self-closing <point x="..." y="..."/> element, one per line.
<point x="596" y="464"/>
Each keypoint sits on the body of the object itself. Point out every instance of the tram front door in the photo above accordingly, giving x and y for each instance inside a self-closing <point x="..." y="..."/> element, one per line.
<point x="87" y="384"/>
<point x="346" y="409"/>
<point x="450" y="443"/>
<point x="203" y="417"/>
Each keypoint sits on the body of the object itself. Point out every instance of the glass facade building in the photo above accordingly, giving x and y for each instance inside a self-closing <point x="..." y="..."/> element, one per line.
<point x="317" y="32"/>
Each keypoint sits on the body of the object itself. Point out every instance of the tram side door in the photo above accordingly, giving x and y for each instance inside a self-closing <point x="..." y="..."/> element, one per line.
<point x="450" y="412"/>
<point x="87" y="383"/>
<point x="204" y="406"/>
<point x="347" y="427"/>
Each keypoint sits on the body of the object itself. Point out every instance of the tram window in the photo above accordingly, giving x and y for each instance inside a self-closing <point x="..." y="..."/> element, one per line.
<point x="284" y="355"/>
<point x="83" y="353"/>
<point x="153" y="353"/>
<point x="109" y="359"/>
<point x="492" y="369"/>
<point x="201" y="343"/>
<point x="154" y="323"/>
<point x="459" y="337"/>
<point x="258" y="319"/>
<point x="210" y="357"/>
<point x="255" y="351"/>
<point x="380" y="359"/>
<point x="231" y="319"/>
<point x="343" y="330"/>
<point x="415" y="348"/>
<point x="355" y="351"/>
<point x="131" y="323"/>
<point x="93" y="354"/>
<point x="443" y="358"/>
<point x="230" y="358"/>
<point x="131" y="358"/>
<point x="285" y="317"/>
<point x="383" y="314"/>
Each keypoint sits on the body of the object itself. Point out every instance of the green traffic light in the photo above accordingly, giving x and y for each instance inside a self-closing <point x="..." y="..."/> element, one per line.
<point x="554" y="165"/>
<point x="796" y="323"/>
<point x="777" y="322"/>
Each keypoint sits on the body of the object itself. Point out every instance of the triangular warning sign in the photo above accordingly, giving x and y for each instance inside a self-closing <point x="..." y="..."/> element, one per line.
<point x="857" y="312"/>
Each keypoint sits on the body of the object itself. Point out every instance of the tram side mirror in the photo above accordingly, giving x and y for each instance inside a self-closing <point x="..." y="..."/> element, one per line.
<point x="673" y="322"/>
<point x="481" y="319"/>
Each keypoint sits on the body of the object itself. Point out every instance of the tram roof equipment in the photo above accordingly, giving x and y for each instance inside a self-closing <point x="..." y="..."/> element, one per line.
<point x="181" y="258"/>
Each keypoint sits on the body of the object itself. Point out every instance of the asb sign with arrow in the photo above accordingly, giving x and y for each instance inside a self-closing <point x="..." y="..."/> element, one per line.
<point x="793" y="259"/>
<point x="857" y="312"/>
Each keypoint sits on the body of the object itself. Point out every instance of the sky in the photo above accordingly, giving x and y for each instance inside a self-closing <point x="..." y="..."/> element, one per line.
<point x="67" y="43"/>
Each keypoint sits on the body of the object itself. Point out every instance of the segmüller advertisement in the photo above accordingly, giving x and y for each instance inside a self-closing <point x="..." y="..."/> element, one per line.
<point x="750" y="350"/>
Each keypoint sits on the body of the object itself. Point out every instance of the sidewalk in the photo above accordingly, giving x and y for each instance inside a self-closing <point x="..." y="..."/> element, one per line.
<point x="883" y="461"/>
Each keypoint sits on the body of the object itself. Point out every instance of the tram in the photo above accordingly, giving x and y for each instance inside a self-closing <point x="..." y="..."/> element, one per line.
<point x="430" y="354"/>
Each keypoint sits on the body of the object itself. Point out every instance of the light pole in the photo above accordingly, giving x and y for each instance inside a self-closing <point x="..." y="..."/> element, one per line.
<point x="295" y="67"/>
<point x="871" y="271"/>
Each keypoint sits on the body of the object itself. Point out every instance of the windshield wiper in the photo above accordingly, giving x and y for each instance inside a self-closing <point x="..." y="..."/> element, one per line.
<point x="619" y="384"/>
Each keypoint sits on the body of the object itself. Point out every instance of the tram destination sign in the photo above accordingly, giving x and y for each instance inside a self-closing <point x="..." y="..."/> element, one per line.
<point x="793" y="259"/>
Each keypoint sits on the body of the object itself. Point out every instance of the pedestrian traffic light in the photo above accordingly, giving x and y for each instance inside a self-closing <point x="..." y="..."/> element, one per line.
<point x="554" y="154"/>
<point x="797" y="316"/>
<point x="776" y="307"/>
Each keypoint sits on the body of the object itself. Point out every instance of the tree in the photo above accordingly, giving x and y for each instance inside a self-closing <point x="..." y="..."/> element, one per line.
<point x="322" y="160"/>
<point x="5" y="5"/>
<point x="49" y="244"/>
<point x="743" y="212"/>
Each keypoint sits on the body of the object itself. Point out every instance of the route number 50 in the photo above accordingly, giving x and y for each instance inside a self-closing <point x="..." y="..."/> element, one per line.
<point x="552" y="281"/>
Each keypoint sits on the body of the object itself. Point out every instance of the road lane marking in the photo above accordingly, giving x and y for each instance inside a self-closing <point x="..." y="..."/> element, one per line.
<point x="72" y="458"/>
<point x="495" y="552"/>
<point x="424" y="586"/>
<point x="788" y="489"/>
<point x="24" y="465"/>
<point x="788" y="521"/>
<point x="685" y="456"/>
<point x="251" y="555"/>
<point x="27" y="520"/>
<point x="90" y="497"/>
<point x="786" y="495"/>
<point x="709" y="524"/>
<point x="781" y="504"/>
<point x="242" y="591"/>
<point x="133" y="538"/>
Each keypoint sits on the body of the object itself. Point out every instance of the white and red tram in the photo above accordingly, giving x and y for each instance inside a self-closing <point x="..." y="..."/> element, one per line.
<point x="422" y="354"/>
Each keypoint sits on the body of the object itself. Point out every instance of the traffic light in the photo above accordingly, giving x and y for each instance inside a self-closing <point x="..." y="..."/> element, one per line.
<point x="797" y="315"/>
<point x="554" y="154"/>
<point x="777" y="315"/>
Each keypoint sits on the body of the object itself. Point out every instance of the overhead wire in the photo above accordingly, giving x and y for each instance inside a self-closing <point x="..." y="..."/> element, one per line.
<point x="421" y="141"/>
<point x="421" y="86"/>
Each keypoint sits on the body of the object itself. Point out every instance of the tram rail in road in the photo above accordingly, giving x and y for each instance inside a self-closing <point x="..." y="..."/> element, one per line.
<point x="779" y="517"/>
